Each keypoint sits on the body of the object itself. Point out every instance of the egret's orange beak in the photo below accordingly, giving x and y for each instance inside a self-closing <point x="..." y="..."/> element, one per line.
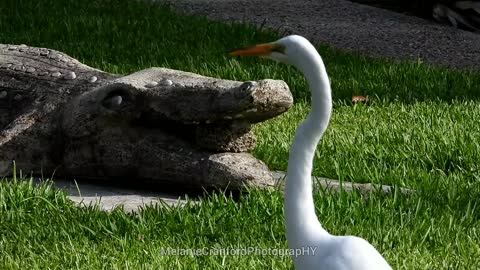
<point x="257" y="50"/>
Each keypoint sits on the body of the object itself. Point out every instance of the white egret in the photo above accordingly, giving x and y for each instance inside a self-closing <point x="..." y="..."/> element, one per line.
<point x="304" y="230"/>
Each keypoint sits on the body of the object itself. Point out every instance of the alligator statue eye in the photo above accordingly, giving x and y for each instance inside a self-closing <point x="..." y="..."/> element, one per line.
<point x="113" y="102"/>
<point x="115" y="99"/>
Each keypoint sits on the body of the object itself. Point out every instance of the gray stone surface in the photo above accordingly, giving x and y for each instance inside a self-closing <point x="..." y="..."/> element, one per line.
<point x="336" y="185"/>
<point x="132" y="199"/>
<point x="350" y="26"/>
<point x="108" y="197"/>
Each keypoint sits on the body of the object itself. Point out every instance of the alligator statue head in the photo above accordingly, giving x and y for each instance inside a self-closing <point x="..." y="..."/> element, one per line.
<point x="163" y="126"/>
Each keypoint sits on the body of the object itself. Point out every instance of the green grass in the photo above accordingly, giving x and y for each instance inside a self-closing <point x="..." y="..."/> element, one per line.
<point x="420" y="131"/>
<point x="410" y="145"/>
<point x="41" y="229"/>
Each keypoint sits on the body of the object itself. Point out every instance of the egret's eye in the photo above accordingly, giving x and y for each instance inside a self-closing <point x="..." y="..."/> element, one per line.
<point x="278" y="48"/>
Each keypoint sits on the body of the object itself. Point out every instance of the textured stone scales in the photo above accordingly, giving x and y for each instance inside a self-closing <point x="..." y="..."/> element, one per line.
<point x="59" y="116"/>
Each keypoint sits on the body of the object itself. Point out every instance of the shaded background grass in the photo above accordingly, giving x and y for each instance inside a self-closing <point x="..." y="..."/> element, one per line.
<point x="378" y="143"/>
<point x="124" y="36"/>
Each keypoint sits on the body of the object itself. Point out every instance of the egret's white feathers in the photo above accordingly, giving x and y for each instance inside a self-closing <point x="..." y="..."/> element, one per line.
<point x="303" y="227"/>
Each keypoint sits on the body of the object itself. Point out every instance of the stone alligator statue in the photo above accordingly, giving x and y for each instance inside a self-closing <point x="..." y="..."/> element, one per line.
<point x="162" y="126"/>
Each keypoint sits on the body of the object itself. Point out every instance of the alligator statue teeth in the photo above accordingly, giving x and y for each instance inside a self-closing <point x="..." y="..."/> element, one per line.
<point x="162" y="126"/>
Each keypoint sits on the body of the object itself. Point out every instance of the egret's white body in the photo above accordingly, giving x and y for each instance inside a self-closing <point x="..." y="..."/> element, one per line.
<point x="304" y="230"/>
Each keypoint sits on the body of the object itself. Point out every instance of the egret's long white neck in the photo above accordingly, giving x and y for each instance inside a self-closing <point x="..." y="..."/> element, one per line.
<point x="301" y="219"/>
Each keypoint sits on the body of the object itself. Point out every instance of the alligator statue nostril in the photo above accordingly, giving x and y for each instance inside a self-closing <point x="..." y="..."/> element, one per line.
<point x="245" y="89"/>
<point x="162" y="126"/>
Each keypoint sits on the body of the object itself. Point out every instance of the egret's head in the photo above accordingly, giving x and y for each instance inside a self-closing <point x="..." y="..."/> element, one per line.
<point x="284" y="50"/>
